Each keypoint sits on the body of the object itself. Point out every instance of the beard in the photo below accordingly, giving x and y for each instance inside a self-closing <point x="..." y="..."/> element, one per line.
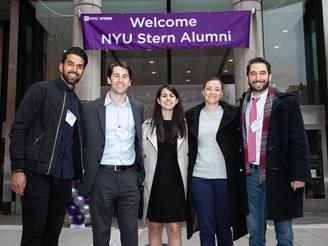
<point x="259" y="89"/>
<point x="71" y="81"/>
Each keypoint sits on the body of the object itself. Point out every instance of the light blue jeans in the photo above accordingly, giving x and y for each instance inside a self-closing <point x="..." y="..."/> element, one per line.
<point x="256" y="220"/>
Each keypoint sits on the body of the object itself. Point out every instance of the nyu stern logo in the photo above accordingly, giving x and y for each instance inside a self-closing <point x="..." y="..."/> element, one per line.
<point x="97" y="18"/>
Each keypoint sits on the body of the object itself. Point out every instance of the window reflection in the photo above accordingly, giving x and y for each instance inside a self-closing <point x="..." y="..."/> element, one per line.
<point x="290" y="47"/>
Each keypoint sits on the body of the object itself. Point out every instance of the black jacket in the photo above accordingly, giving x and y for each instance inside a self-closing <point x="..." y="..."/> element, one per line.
<point x="36" y="132"/>
<point x="287" y="157"/>
<point x="229" y="139"/>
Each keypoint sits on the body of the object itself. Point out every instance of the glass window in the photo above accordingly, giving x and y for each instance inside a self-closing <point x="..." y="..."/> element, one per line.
<point x="195" y="65"/>
<point x="290" y="46"/>
<point x="317" y="190"/>
<point x="200" y="6"/>
<point x="148" y="67"/>
<point x="133" y="6"/>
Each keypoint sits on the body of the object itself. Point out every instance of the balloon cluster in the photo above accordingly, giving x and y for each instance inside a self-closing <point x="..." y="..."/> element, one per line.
<point x="78" y="212"/>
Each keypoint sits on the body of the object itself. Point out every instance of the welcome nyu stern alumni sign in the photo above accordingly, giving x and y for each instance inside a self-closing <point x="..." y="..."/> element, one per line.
<point x="165" y="31"/>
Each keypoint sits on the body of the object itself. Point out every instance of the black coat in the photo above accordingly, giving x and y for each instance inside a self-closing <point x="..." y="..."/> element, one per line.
<point x="287" y="155"/>
<point x="229" y="139"/>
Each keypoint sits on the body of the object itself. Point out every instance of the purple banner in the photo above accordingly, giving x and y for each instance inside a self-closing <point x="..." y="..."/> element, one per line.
<point x="165" y="31"/>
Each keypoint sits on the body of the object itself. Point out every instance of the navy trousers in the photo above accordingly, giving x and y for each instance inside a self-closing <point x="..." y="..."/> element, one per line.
<point x="212" y="205"/>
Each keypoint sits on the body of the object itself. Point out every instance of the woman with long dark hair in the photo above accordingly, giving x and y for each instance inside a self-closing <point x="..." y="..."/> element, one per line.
<point x="216" y="196"/>
<point x="165" y="148"/>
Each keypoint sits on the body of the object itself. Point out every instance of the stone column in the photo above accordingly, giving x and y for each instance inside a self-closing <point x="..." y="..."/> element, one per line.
<point x="89" y="86"/>
<point x="243" y="55"/>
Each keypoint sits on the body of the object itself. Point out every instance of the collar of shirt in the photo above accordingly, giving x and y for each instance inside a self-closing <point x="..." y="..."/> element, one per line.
<point x="65" y="87"/>
<point x="108" y="100"/>
<point x="262" y="97"/>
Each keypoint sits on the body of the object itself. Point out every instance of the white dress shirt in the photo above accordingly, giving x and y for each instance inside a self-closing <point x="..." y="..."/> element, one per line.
<point x="120" y="134"/>
<point x="259" y="117"/>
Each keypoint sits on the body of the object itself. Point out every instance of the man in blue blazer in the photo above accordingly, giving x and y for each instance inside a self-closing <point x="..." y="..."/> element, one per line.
<point x="114" y="169"/>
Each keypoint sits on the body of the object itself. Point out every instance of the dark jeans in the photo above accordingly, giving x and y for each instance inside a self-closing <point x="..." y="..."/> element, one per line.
<point x="212" y="204"/>
<point x="44" y="205"/>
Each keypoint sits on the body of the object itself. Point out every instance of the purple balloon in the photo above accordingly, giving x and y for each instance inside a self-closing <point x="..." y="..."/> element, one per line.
<point x="78" y="219"/>
<point x="72" y="209"/>
<point x="79" y="201"/>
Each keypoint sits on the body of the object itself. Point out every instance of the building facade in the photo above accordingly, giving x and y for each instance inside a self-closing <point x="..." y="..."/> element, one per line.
<point x="292" y="35"/>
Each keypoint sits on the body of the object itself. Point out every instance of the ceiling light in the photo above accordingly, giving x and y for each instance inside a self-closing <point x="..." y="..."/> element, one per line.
<point x="188" y="71"/>
<point x="148" y="49"/>
<point x="225" y="70"/>
<point x="153" y="72"/>
<point x="230" y="60"/>
<point x="187" y="80"/>
<point x="276" y="46"/>
<point x="285" y="30"/>
<point x="151" y="62"/>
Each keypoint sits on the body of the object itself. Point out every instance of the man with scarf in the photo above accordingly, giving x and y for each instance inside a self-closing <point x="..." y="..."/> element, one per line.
<point x="276" y="156"/>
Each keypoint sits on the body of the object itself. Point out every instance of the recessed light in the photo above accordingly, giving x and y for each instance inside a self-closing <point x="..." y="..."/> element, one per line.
<point x="285" y="30"/>
<point x="276" y="46"/>
<point x="187" y="80"/>
<point x="151" y="62"/>
<point x="188" y="71"/>
<point x="230" y="60"/>
<point x="148" y="49"/>
<point x="153" y="72"/>
<point x="225" y="70"/>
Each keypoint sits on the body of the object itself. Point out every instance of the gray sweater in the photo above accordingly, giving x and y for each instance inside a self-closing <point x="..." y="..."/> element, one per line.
<point x="210" y="163"/>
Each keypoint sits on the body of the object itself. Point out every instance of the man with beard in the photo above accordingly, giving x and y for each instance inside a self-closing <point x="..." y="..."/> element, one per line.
<point x="276" y="156"/>
<point x="46" y="150"/>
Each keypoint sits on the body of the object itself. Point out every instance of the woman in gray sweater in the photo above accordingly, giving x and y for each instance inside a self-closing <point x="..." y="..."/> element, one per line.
<point x="216" y="176"/>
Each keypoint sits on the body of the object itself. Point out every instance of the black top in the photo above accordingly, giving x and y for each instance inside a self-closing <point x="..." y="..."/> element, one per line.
<point x="64" y="167"/>
<point x="167" y="198"/>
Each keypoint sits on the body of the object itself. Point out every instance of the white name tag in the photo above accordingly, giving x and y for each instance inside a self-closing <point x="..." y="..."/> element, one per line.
<point x="70" y="118"/>
<point x="256" y="126"/>
<point x="121" y="132"/>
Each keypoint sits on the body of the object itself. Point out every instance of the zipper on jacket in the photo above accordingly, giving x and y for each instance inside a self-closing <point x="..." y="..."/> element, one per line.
<point x="79" y="132"/>
<point x="38" y="138"/>
<point x="55" y="143"/>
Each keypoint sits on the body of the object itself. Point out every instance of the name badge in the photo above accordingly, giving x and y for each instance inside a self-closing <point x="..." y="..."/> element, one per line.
<point x="121" y="132"/>
<point x="256" y="125"/>
<point x="70" y="118"/>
